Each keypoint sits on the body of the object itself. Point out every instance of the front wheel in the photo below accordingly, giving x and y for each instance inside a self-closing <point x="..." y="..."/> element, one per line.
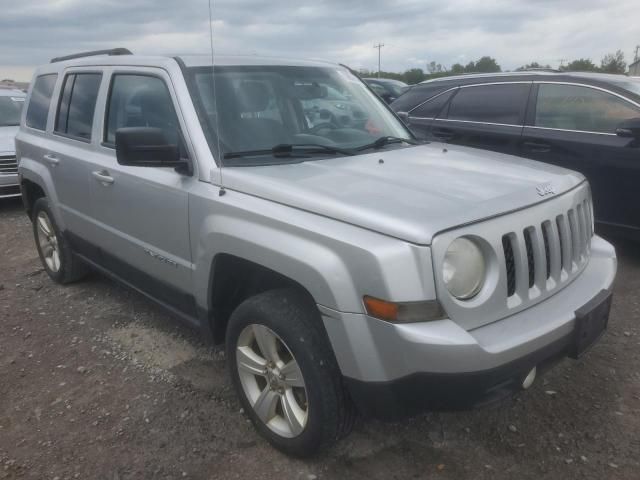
<point x="285" y="374"/>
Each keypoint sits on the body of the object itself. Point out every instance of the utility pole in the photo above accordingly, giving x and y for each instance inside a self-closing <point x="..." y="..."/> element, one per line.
<point x="562" y="60"/>
<point x="379" y="47"/>
<point x="635" y="58"/>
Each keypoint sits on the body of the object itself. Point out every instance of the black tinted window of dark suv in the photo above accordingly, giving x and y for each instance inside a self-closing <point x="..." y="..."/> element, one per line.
<point x="504" y="103"/>
<point x="77" y="105"/>
<point x="572" y="107"/>
<point x="38" y="109"/>
<point x="432" y="107"/>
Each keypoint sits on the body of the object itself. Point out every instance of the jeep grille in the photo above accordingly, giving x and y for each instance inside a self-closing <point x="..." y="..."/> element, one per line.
<point x="565" y="247"/>
<point x="8" y="165"/>
<point x="531" y="254"/>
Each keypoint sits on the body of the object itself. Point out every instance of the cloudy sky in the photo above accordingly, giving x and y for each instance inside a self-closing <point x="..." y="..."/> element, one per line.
<point x="414" y="32"/>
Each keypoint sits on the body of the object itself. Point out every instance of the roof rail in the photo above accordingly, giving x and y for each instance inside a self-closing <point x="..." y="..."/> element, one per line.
<point x="111" y="51"/>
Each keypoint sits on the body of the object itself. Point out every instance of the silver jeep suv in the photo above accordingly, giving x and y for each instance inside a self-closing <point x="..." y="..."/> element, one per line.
<point x="347" y="268"/>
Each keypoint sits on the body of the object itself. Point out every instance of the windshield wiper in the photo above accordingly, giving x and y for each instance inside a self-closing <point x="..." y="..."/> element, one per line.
<point x="382" y="141"/>
<point x="288" y="150"/>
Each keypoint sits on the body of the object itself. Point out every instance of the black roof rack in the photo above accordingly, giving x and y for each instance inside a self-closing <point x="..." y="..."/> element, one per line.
<point x="111" y="51"/>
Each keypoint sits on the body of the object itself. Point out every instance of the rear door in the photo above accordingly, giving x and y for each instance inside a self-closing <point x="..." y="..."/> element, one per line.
<point x="487" y="116"/>
<point x="573" y="126"/>
<point x="141" y="214"/>
<point x="74" y="144"/>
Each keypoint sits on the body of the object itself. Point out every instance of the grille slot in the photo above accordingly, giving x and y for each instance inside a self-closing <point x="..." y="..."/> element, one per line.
<point x="531" y="264"/>
<point x="510" y="264"/>
<point x="547" y="247"/>
<point x="8" y="165"/>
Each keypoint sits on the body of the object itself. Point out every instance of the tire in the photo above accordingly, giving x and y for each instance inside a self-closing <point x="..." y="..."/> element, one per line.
<point x="55" y="253"/>
<point x="320" y="411"/>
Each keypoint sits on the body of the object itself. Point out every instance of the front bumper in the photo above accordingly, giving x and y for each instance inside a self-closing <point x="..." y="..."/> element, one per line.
<point x="435" y="361"/>
<point x="9" y="185"/>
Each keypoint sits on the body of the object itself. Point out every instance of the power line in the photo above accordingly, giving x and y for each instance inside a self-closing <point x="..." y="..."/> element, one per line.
<point x="379" y="47"/>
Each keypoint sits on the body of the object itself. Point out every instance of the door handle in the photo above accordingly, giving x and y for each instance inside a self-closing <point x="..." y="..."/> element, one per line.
<point x="537" y="147"/>
<point x="51" y="159"/>
<point x="444" y="134"/>
<point x="103" y="177"/>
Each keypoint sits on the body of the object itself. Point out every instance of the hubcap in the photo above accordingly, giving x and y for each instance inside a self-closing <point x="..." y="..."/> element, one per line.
<point x="48" y="242"/>
<point x="272" y="380"/>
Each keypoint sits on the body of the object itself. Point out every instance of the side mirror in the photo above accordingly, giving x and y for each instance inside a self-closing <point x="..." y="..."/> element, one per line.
<point x="147" y="147"/>
<point x="404" y="116"/>
<point x="629" y="129"/>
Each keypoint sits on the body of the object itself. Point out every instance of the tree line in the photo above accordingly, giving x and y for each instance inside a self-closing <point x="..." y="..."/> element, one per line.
<point x="610" y="63"/>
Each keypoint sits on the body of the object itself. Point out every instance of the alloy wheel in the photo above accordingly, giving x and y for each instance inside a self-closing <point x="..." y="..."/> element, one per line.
<point x="272" y="380"/>
<point x="48" y="242"/>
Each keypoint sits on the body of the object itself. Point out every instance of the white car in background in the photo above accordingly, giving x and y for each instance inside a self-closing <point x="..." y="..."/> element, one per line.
<point x="11" y="103"/>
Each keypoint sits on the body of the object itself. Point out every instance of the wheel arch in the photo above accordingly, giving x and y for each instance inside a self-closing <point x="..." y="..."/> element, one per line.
<point x="31" y="191"/>
<point x="233" y="279"/>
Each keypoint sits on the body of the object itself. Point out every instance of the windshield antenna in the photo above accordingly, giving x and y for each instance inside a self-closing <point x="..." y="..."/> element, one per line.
<point x="215" y="98"/>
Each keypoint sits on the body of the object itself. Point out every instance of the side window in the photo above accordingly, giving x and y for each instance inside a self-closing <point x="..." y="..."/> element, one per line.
<point x="432" y="107"/>
<point x="140" y="101"/>
<point x="78" y="104"/>
<point x="38" y="109"/>
<point x="504" y="103"/>
<point x="571" y="107"/>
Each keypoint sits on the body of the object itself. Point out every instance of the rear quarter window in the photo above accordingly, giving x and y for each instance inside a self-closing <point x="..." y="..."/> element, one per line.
<point x="417" y="95"/>
<point x="40" y="101"/>
<point x="77" y="105"/>
<point x="432" y="107"/>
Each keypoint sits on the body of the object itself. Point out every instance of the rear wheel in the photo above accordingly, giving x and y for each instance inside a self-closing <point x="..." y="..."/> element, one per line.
<point x="285" y="374"/>
<point x="55" y="253"/>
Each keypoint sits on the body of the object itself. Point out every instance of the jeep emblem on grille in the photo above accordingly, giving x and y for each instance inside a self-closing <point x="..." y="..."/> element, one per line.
<point x="545" y="189"/>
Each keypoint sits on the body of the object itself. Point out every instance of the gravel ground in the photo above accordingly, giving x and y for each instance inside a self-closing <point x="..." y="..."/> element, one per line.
<point x="98" y="383"/>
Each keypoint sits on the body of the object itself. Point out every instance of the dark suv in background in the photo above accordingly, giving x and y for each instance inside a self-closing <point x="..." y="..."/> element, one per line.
<point x="583" y="121"/>
<point x="387" y="88"/>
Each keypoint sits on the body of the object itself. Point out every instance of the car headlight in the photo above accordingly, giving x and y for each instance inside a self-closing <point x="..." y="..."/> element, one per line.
<point x="463" y="269"/>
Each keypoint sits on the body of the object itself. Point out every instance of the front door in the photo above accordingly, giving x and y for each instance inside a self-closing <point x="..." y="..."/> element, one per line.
<point x="573" y="126"/>
<point x="140" y="214"/>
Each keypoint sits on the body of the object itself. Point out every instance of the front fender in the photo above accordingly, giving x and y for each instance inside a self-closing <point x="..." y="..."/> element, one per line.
<point x="337" y="263"/>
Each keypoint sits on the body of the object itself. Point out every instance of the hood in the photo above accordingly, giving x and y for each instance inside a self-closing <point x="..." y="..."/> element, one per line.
<point x="414" y="193"/>
<point x="8" y="140"/>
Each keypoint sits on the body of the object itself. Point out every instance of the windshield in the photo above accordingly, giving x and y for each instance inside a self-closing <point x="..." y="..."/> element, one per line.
<point x="261" y="107"/>
<point x="10" y="110"/>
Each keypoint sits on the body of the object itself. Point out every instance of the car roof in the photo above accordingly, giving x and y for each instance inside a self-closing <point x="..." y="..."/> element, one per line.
<point x="618" y="83"/>
<point x="385" y="80"/>
<point x="531" y="76"/>
<point x="187" y="60"/>
<point x="11" y="92"/>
